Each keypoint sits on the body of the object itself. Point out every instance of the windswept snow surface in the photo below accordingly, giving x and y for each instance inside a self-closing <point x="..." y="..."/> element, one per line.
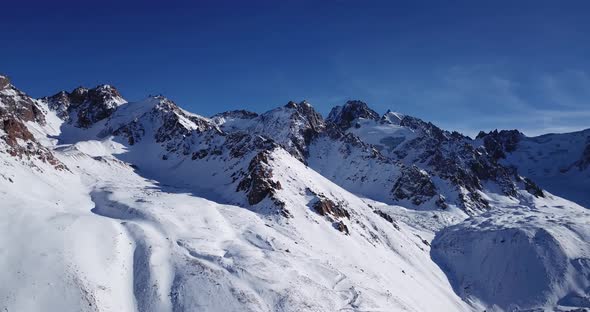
<point x="520" y="257"/>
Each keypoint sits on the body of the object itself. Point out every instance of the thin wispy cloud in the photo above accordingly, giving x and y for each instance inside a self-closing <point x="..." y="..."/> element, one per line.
<point x="567" y="89"/>
<point x="486" y="97"/>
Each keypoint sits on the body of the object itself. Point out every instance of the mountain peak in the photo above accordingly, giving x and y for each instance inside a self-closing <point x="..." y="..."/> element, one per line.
<point x="105" y="87"/>
<point x="4" y="82"/>
<point x="503" y="133"/>
<point x="305" y="103"/>
<point x="294" y="105"/>
<point x="291" y="104"/>
<point x="87" y="106"/>
<point x="392" y="117"/>
<point x="344" y="115"/>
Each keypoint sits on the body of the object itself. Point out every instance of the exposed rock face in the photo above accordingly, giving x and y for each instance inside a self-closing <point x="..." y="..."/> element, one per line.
<point x="326" y="207"/>
<point x="387" y="218"/>
<point x="304" y="125"/>
<point x="333" y="211"/>
<point x="532" y="188"/>
<point x="16" y="108"/>
<point x="4" y="82"/>
<point x="414" y="185"/>
<point x="499" y="143"/>
<point x="241" y="143"/>
<point x="134" y="132"/>
<point x="237" y="114"/>
<point x="16" y="103"/>
<point x="15" y="130"/>
<point x="340" y="226"/>
<point x="258" y="183"/>
<point x="343" y="116"/>
<point x="22" y="144"/>
<point x="314" y="123"/>
<point x="84" y="107"/>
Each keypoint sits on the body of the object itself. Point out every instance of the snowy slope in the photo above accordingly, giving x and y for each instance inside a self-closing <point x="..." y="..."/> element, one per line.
<point x="520" y="257"/>
<point x="107" y="239"/>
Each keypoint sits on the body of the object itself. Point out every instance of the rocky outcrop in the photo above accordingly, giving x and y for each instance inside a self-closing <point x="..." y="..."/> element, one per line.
<point x="414" y="185"/>
<point x="22" y="144"/>
<point x="532" y="188"/>
<point x="332" y="211"/>
<point x="4" y="82"/>
<point x="241" y="143"/>
<point x="18" y="104"/>
<point x="340" y="226"/>
<point x="314" y="123"/>
<point x="304" y="124"/>
<point x="235" y="114"/>
<point x="133" y="131"/>
<point x="387" y="218"/>
<point x="384" y="215"/>
<point x="499" y="143"/>
<point x="16" y="108"/>
<point x="343" y="116"/>
<point x="258" y="182"/>
<point x="15" y="130"/>
<point x="324" y="207"/>
<point x="84" y="107"/>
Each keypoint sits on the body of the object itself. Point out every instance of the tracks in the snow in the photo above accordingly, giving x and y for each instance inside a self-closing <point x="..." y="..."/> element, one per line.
<point x="349" y="293"/>
<point x="151" y="285"/>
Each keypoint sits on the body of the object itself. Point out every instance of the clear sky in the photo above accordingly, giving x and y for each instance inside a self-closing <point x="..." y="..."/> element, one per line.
<point x="464" y="65"/>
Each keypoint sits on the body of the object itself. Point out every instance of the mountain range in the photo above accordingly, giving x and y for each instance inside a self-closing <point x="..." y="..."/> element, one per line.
<point x="112" y="205"/>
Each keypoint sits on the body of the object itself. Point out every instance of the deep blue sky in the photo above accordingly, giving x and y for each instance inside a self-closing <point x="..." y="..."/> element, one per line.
<point x="464" y="65"/>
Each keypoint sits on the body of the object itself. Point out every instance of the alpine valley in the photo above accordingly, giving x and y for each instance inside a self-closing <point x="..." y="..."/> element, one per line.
<point x="111" y="205"/>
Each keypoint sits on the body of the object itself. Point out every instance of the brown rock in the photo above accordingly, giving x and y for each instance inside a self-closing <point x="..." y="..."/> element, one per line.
<point x="258" y="184"/>
<point x="340" y="226"/>
<point x="325" y="207"/>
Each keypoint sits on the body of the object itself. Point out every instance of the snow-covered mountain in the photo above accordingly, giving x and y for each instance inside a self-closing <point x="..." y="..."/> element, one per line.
<point x="559" y="163"/>
<point x="110" y="205"/>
